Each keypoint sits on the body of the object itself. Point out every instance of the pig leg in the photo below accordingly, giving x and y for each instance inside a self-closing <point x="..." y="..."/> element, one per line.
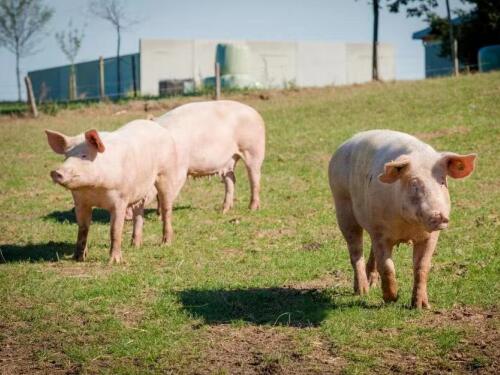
<point x="422" y="254"/>
<point x="129" y="215"/>
<point x="383" y="258"/>
<point x="229" y="181"/>
<point x="166" y="197"/>
<point x="353" y="234"/>
<point x="117" y="221"/>
<point x="371" y="270"/>
<point x="253" y="164"/>
<point x="83" y="218"/>
<point x="138" y="220"/>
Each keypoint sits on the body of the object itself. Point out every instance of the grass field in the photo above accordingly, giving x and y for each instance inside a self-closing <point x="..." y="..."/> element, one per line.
<point x="267" y="292"/>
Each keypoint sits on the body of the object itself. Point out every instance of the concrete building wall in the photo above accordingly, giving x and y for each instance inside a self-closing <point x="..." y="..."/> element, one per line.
<point x="274" y="64"/>
<point x="321" y="64"/>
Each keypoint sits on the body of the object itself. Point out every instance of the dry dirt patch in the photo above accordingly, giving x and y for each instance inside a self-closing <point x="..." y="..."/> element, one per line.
<point x="265" y="350"/>
<point x="477" y="353"/>
<point x="18" y="357"/>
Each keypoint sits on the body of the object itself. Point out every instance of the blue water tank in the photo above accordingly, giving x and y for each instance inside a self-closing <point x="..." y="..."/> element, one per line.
<point x="489" y="58"/>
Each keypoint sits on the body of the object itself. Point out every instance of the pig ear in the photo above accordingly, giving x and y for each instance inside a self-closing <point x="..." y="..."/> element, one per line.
<point x="459" y="166"/>
<point x="92" y="137"/>
<point x="58" y="141"/>
<point x="393" y="170"/>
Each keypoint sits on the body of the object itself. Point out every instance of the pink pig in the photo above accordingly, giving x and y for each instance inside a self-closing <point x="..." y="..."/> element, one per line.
<point x="212" y="136"/>
<point x="395" y="187"/>
<point x="116" y="170"/>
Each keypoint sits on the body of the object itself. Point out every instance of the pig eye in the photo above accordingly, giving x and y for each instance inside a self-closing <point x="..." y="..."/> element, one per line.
<point x="83" y="156"/>
<point x="416" y="187"/>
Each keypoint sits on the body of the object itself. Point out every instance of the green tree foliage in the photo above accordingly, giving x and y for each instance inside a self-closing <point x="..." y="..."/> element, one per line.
<point x="477" y="27"/>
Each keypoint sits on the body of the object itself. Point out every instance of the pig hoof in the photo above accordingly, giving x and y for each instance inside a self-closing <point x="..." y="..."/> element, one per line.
<point x="420" y="305"/>
<point x="79" y="258"/>
<point x="361" y="290"/>
<point x="390" y="298"/>
<point x="373" y="279"/>
<point x="115" y="259"/>
<point x="254" y="206"/>
<point x="136" y="243"/>
<point x="166" y="241"/>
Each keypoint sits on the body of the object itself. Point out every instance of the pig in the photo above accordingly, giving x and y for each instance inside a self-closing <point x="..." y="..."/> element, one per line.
<point x="116" y="170"/>
<point x="395" y="187"/>
<point x="212" y="136"/>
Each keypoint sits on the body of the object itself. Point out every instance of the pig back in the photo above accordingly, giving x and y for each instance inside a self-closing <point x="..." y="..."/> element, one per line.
<point x="356" y="165"/>
<point x="208" y="134"/>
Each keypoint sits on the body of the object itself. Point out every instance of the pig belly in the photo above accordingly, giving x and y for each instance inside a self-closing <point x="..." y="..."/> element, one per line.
<point x="212" y="166"/>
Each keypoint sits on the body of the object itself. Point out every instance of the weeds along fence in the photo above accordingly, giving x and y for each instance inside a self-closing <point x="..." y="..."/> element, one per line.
<point x="97" y="80"/>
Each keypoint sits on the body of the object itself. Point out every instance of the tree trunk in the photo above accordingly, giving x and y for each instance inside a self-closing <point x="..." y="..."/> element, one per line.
<point x="375" y="41"/>
<point x="18" y="75"/>
<point x="118" y="71"/>
<point x="453" y="42"/>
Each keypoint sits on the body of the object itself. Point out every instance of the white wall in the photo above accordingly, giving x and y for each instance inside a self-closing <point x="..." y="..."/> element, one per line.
<point x="274" y="64"/>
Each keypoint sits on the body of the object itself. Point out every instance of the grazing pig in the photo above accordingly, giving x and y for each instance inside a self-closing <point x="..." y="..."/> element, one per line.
<point x="395" y="187"/>
<point x="212" y="136"/>
<point x="116" y="170"/>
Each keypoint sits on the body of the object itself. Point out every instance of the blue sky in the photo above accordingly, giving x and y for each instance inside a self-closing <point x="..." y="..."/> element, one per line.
<point x="329" y="20"/>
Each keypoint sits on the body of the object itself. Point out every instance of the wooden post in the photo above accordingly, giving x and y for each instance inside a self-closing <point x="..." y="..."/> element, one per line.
<point x="102" y="93"/>
<point x="31" y="97"/>
<point x="217" y="81"/>
<point x="72" y="83"/>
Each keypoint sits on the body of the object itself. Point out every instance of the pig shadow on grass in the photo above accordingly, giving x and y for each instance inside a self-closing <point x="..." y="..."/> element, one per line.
<point x="100" y="215"/>
<point x="266" y="306"/>
<point x="48" y="252"/>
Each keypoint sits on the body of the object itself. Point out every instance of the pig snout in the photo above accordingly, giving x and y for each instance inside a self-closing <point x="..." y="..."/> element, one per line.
<point x="59" y="177"/>
<point x="437" y="221"/>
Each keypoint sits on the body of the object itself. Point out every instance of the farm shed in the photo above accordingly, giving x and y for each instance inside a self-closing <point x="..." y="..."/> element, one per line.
<point x="165" y="63"/>
<point x="435" y="64"/>
<point x="272" y="64"/>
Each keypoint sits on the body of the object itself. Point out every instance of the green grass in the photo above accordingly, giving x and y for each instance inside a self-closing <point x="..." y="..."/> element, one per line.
<point x="275" y="284"/>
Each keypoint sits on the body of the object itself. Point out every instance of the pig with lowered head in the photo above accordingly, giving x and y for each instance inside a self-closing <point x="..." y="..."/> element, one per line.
<point x="211" y="137"/>
<point x="116" y="170"/>
<point x="395" y="187"/>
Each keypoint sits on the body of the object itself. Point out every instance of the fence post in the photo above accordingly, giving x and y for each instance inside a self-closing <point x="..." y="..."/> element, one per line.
<point x="456" y="65"/>
<point x="217" y="81"/>
<point x="31" y="97"/>
<point x="102" y="93"/>
<point x="72" y="83"/>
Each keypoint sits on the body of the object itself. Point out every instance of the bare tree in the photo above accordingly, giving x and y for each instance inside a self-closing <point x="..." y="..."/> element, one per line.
<point x="375" y="41"/>
<point x="70" y="42"/>
<point x="115" y="13"/>
<point x="21" y="22"/>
